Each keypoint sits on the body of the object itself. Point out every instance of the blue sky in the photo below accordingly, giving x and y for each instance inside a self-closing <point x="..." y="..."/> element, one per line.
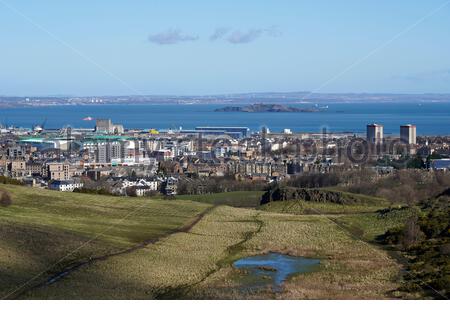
<point x="206" y="47"/>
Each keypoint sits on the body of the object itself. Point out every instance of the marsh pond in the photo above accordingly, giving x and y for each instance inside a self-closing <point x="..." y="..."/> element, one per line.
<point x="273" y="269"/>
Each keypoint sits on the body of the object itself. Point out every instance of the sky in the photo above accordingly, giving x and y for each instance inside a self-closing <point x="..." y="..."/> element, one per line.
<point x="107" y="47"/>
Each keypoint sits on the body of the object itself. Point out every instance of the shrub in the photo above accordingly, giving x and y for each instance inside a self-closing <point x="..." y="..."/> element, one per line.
<point x="315" y="180"/>
<point x="7" y="180"/>
<point x="425" y="241"/>
<point x="404" y="186"/>
<point x="5" y="198"/>
<point x="100" y="191"/>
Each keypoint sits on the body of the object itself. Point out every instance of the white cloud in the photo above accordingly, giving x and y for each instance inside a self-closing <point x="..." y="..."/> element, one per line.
<point x="171" y="36"/>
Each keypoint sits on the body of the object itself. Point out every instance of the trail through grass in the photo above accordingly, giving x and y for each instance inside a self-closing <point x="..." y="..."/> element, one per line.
<point x="43" y="232"/>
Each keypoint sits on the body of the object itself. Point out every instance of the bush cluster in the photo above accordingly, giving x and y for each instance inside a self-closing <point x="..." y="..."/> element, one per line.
<point x="7" y="180"/>
<point x="5" y="198"/>
<point x="425" y="239"/>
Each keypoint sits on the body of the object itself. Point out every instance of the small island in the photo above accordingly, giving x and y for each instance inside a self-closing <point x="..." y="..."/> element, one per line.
<point x="260" y="107"/>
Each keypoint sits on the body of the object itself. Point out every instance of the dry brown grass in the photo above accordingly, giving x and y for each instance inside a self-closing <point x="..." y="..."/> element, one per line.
<point x="159" y="270"/>
<point x="40" y="227"/>
<point x="350" y="269"/>
<point x="198" y="264"/>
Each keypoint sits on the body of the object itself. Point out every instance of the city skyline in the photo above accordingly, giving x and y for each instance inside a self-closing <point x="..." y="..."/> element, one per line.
<point x="225" y="150"/>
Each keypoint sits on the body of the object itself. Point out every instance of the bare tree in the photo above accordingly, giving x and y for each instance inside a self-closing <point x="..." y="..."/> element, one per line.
<point x="411" y="233"/>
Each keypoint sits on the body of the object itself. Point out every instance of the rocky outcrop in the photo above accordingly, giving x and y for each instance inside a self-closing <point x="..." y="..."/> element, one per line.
<point x="313" y="195"/>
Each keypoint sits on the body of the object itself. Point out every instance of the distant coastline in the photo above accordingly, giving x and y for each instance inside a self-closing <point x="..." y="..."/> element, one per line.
<point x="289" y="98"/>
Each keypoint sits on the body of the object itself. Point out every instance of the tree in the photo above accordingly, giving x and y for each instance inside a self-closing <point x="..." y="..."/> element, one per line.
<point x="411" y="232"/>
<point x="416" y="163"/>
<point x="131" y="191"/>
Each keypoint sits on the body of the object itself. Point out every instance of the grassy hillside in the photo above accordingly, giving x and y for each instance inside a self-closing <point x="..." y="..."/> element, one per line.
<point x="197" y="264"/>
<point x="372" y="225"/>
<point x="315" y="201"/>
<point x="309" y="207"/>
<point x="244" y="199"/>
<point x="41" y="228"/>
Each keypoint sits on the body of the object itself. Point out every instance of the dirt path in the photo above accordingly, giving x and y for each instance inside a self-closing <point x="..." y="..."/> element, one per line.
<point x="77" y="265"/>
<point x="180" y="292"/>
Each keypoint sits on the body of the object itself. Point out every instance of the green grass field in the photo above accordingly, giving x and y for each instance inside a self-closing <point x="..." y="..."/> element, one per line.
<point x="42" y="226"/>
<point x="243" y="199"/>
<point x="369" y="226"/>
<point x="309" y="207"/>
<point x="363" y="204"/>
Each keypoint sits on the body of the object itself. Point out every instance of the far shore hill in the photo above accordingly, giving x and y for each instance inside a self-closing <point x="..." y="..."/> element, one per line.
<point x="303" y="98"/>
<point x="260" y="107"/>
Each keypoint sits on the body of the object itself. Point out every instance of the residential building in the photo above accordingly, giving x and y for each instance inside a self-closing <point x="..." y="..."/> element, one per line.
<point x="375" y="133"/>
<point x="170" y="186"/>
<point x="17" y="168"/>
<point x="65" y="185"/>
<point x="408" y="134"/>
<point x="60" y="171"/>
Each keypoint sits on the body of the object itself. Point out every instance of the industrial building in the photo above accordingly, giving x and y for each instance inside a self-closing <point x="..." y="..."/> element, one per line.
<point x="50" y="143"/>
<point x="234" y="132"/>
<point x="106" y="126"/>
